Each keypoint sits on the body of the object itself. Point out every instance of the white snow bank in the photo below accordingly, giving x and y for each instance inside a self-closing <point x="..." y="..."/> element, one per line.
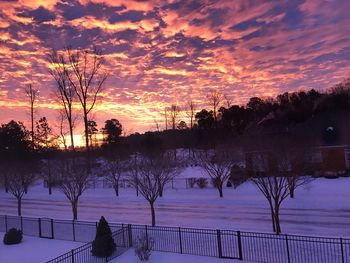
<point x="161" y="257"/>
<point x="34" y="250"/>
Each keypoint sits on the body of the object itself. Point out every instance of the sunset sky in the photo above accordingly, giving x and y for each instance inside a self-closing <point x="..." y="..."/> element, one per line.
<point x="162" y="52"/>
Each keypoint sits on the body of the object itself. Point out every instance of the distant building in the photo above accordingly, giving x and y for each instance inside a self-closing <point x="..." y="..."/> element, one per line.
<point x="331" y="158"/>
<point x="326" y="160"/>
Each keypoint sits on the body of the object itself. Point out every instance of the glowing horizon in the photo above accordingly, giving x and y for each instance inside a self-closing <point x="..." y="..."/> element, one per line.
<point x="163" y="52"/>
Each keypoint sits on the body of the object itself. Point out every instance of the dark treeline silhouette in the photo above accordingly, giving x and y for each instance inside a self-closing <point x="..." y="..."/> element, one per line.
<point x="259" y="115"/>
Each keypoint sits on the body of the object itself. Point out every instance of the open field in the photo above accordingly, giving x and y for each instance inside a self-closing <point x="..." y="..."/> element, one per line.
<point x="319" y="208"/>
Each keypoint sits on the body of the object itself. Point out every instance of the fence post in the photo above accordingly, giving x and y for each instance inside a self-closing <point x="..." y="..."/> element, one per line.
<point x="180" y="239"/>
<point x="130" y="235"/>
<point x="52" y="230"/>
<point x="342" y="250"/>
<point x="239" y="242"/>
<point x="123" y="235"/>
<point x="218" y="236"/>
<point x="72" y="255"/>
<point x="287" y="247"/>
<point x="39" y="224"/>
<point x="146" y="236"/>
<point x="73" y="224"/>
<point x="6" y="223"/>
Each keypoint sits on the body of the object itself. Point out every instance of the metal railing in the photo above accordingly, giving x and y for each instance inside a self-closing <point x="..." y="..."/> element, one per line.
<point x="250" y="246"/>
<point x="83" y="254"/>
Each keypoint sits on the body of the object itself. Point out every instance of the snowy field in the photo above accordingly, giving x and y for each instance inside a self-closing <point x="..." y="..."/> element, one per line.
<point x="34" y="250"/>
<point x="161" y="257"/>
<point x="319" y="208"/>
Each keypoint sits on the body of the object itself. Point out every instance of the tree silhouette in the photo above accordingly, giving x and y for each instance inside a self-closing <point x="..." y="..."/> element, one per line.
<point x="86" y="77"/>
<point x="112" y="131"/>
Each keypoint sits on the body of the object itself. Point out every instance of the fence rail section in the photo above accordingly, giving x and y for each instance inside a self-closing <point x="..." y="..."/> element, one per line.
<point x="250" y="246"/>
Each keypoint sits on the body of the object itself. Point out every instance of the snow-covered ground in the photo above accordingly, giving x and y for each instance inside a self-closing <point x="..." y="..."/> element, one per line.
<point x="34" y="250"/>
<point x="319" y="208"/>
<point x="161" y="257"/>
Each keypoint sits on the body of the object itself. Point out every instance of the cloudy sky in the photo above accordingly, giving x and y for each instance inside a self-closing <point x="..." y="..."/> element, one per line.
<point x="162" y="52"/>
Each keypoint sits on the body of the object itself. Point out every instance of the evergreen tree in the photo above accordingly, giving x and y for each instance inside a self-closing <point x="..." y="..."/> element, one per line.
<point x="103" y="244"/>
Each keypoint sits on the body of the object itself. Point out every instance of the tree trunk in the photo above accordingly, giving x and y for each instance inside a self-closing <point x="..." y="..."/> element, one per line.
<point x="86" y="130"/>
<point x="291" y="192"/>
<point x="70" y="124"/>
<point x="221" y="192"/>
<point x="160" y="189"/>
<point x="50" y="180"/>
<point x="272" y="217"/>
<point x="19" y="206"/>
<point x="75" y="209"/>
<point x="291" y="187"/>
<point x="277" y="220"/>
<point x="32" y="120"/>
<point x="116" y="188"/>
<point x="153" y="214"/>
<point x="6" y="184"/>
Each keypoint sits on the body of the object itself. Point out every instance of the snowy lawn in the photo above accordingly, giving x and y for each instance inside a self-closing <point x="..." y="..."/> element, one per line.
<point x="34" y="250"/>
<point x="162" y="257"/>
<point x="319" y="208"/>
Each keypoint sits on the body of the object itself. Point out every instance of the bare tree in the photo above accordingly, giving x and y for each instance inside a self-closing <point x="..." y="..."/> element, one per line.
<point x="32" y="94"/>
<point x="46" y="144"/>
<point x="218" y="167"/>
<point x="228" y="101"/>
<point x="62" y="130"/>
<point x="214" y="98"/>
<point x="150" y="181"/>
<point x="166" y="117"/>
<point x="114" y="168"/>
<point x="87" y="78"/>
<point x="277" y="172"/>
<point x="73" y="176"/>
<point x="156" y="124"/>
<point x="165" y="169"/>
<point x="64" y="93"/>
<point x="134" y="170"/>
<point x="174" y="112"/>
<point x="191" y="112"/>
<point x="19" y="177"/>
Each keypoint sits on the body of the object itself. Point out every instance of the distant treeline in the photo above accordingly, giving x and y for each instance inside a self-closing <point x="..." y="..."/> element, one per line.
<point x="208" y="126"/>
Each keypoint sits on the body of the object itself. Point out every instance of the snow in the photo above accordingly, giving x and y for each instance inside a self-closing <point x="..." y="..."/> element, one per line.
<point x="319" y="208"/>
<point x="35" y="250"/>
<point x="161" y="257"/>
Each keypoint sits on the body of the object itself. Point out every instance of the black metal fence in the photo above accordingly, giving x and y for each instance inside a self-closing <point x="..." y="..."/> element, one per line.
<point x="258" y="247"/>
<point x="83" y="254"/>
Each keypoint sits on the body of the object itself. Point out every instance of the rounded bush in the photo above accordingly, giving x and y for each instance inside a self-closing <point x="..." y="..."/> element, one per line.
<point x="13" y="236"/>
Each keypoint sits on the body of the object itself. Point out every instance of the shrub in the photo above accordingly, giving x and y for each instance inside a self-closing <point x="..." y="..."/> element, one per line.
<point x="202" y="182"/>
<point x="103" y="244"/>
<point x="143" y="247"/>
<point x="13" y="236"/>
<point x="192" y="182"/>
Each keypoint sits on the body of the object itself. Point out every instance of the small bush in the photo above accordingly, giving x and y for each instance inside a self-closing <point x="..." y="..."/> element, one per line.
<point x="103" y="244"/>
<point x="202" y="183"/>
<point x="13" y="236"/>
<point x="143" y="247"/>
<point x="192" y="182"/>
